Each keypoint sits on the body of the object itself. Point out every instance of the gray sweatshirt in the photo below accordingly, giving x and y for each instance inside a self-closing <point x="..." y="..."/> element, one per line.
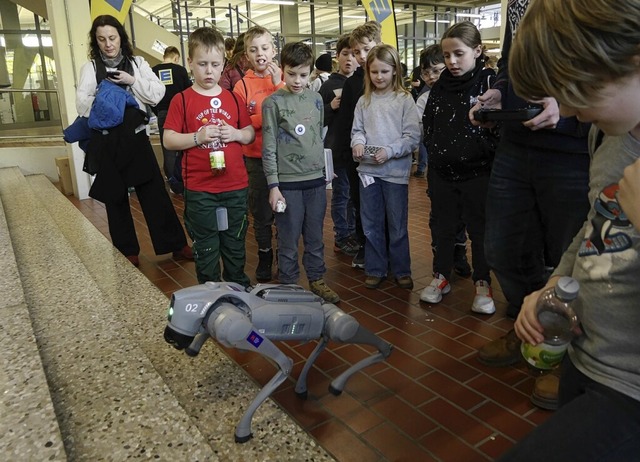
<point x="391" y="121"/>
<point x="604" y="258"/>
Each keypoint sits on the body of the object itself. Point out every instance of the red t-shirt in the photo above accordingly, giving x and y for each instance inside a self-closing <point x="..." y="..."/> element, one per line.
<point x="204" y="110"/>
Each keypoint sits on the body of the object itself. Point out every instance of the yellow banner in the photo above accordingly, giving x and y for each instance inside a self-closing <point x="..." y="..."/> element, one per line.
<point x="382" y="11"/>
<point x="119" y="9"/>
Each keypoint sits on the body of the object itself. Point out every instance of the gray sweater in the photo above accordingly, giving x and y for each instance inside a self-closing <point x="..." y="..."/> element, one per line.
<point x="604" y="258"/>
<point x="391" y="121"/>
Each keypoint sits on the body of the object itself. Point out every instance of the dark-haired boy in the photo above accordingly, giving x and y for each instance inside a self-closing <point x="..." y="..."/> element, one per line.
<point x="293" y="162"/>
<point x="342" y="210"/>
<point x="362" y="39"/>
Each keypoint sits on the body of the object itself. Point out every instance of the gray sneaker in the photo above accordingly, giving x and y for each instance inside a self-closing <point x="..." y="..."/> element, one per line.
<point x="321" y="289"/>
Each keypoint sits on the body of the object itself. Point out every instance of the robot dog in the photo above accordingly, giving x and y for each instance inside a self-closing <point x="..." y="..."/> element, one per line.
<point x="253" y="320"/>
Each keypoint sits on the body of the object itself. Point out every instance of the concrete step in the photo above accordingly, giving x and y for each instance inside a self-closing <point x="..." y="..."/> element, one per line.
<point x="109" y="401"/>
<point x="212" y="389"/>
<point x="28" y="425"/>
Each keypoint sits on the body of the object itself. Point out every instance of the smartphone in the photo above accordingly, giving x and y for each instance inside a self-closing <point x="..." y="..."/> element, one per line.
<point x="112" y="74"/>
<point x="499" y="115"/>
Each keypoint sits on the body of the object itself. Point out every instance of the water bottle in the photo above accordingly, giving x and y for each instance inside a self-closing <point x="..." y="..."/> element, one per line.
<point x="216" y="160"/>
<point x="558" y="320"/>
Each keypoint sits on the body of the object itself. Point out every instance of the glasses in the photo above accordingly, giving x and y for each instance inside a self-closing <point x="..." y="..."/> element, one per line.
<point x="432" y="71"/>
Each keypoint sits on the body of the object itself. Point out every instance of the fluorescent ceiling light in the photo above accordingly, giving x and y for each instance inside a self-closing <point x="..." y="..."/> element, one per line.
<point x="275" y="2"/>
<point x="468" y="15"/>
<point x="442" y="21"/>
<point x="349" y="17"/>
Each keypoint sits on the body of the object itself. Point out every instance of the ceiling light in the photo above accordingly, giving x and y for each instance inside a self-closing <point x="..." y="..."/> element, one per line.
<point x="350" y="17"/>
<point x="468" y="15"/>
<point x="275" y="2"/>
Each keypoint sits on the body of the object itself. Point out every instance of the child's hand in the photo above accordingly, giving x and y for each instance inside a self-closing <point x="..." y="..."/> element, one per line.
<point x="548" y="118"/>
<point x="335" y="103"/>
<point x="490" y="99"/>
<point x="274" y="196"/>
<point x="357" y="152"/>
<point x="274" y="70"/>
<point x="629" y="193"/>
<point x="381" y="156"/>
<point x="527" y="327"/>
<point x="228" y="133"/>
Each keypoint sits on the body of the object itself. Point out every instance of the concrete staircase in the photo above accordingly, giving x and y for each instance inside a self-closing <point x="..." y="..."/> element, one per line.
<point x="86" y="374"/>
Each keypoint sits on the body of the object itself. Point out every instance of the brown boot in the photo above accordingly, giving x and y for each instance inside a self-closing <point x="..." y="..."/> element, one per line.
<point x="501" y="352"/>
<point x="545" y="391"/>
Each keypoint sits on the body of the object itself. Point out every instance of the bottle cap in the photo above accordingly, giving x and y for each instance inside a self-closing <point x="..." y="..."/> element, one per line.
<point x="567" y="288"/>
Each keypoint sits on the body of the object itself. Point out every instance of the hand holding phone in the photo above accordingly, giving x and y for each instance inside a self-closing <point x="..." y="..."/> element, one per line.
<point x="113" y="74"/>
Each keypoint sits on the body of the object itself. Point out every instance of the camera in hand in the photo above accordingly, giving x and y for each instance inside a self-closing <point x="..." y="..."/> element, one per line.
<point x="501" y="115"/>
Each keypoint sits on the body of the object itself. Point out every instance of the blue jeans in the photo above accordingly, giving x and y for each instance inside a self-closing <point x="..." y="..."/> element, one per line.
<point x="304" y="216"/>
<point x="342" y="211"/>
<point x="422" y="157"/>
<point x="536" y="203"/>
<point x="594" y="422"/>
<point x="384" y="204"/>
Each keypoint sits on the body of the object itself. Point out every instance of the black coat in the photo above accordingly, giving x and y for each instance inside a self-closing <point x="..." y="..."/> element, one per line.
<point x="124" y="156"/>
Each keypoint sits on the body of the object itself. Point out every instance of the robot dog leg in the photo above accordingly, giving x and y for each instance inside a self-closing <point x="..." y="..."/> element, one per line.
<point x="343" y="328"/>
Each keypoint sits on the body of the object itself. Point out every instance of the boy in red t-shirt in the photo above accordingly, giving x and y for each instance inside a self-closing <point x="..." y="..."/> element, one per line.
<point x="204" y="121"/>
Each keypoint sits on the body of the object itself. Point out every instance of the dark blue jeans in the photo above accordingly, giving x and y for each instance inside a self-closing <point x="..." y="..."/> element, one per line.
<point x="385" y="212"/>
<point x="536" y="203"/>
<point x="304" y="216"/>
<point x="594" y="423"/>
<point x="342" y="210"/>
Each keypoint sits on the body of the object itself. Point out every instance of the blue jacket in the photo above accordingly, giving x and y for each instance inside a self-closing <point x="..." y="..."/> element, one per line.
<point x="108" y="107"/>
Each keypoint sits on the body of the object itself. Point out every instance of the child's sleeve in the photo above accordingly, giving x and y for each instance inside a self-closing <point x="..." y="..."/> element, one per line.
<point x="270" y="141"/>
<point x="410" y="129"/>
<point x="358" y="133"/>
<point x="175" y="116"/>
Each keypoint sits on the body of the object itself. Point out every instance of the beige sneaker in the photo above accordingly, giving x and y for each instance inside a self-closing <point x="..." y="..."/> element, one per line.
<point x="321" y="289"/>
<point x="545" y="390"/>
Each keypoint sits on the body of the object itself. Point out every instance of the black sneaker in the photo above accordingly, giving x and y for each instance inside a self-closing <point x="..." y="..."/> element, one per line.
<point x="348" y="246"/>
<point x="358" y="260"/>
<point x="265" y="262"/>
<point x="418" y="174"/>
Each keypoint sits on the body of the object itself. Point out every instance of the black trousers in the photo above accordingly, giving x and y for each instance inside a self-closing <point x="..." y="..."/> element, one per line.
<point x="165" y="230"/>
<point x="449" y="202"/>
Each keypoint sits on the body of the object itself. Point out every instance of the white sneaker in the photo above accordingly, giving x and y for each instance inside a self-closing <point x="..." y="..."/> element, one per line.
<point x="433" y="292"/>
<point x="483" y="301"/>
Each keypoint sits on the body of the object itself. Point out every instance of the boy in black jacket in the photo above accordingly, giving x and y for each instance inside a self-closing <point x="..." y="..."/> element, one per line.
<point x="342" y="211"/>
<point x="362" y="40"/>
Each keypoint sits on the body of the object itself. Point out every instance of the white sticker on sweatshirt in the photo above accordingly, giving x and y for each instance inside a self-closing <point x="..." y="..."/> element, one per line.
<point x="300" y="129"/>
<point x="215" y="103"/>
